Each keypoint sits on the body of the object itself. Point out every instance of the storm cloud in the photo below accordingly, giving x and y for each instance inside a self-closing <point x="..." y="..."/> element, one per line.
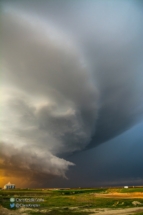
<point x="71" y="78"/>
<point x="48" y="102"/>
<point x="31" y="164"/>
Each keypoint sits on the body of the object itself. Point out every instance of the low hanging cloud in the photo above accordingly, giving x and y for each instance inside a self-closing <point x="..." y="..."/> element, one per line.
<point x="31" y="164"/>
<point x="48" y="102"/>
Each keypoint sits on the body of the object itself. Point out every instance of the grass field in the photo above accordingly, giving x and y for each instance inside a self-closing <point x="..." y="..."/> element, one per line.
<point x="75" y="201"/>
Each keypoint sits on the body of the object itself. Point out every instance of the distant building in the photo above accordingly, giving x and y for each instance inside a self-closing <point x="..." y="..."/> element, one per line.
<point x="9" y="186"/>
<point x="126" y="187"/>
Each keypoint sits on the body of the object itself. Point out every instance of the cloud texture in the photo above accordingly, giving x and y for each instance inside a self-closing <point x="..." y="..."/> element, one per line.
<point x="48" y="101"/>
<point x="71" y="78"/>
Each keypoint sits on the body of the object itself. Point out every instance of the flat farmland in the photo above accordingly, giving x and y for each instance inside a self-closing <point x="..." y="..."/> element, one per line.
<point x="100" y="201"/>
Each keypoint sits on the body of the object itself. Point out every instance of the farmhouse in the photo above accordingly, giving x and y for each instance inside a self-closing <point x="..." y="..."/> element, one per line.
<point x="9" y="186"/>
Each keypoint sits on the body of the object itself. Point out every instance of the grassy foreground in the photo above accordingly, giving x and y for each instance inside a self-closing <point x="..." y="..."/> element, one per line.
<point x="72" y="201"/>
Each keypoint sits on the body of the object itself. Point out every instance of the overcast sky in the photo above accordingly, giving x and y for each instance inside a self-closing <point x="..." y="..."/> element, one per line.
<point x="71" y="92"/>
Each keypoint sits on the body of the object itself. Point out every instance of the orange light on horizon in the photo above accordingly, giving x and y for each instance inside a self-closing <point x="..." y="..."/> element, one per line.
<point x="14" y="180"/>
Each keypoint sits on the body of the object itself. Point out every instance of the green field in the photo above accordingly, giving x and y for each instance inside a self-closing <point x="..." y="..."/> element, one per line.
<point x="71" y="201"/>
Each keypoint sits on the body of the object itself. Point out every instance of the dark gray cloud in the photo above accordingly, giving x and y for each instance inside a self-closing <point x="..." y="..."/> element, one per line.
<point x="117" y="162"/>
<point x="109" y="35"/>
<point x="72" y="72"/>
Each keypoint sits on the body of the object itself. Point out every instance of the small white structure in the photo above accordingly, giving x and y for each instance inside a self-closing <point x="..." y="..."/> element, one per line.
<point x="9" y="186"/>
<point x="126" y="187"/>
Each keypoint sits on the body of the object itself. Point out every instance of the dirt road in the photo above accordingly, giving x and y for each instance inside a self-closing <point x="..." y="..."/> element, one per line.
<point x="5" y="211"/>
<point x="127" y="211"/>
<point x="97" y="211"/>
